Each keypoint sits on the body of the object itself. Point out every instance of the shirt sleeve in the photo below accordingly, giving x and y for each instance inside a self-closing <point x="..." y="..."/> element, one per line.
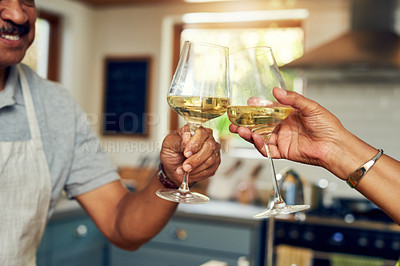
<point x="91" y="166"/>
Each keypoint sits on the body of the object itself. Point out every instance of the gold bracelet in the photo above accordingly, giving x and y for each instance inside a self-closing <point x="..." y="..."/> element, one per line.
<point x="355" y="177"/>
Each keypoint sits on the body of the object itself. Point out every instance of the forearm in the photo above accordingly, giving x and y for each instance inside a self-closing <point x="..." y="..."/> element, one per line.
<point x="381" y="184"/>
<point x="347" y="154"/>
<point x="140" y="216"/>
<point x="317" y="137"/>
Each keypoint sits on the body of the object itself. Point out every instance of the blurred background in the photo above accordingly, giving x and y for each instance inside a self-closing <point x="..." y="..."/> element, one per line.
<point x="344" y="54"/>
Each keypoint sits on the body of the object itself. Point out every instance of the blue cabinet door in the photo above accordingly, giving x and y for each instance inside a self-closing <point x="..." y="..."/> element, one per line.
<point x="74" y="241"/>
<point x="187" y="242"/>
<point x="150" y="256"/>
<point x="90" y="256"/>
<point x="43" y="258"/>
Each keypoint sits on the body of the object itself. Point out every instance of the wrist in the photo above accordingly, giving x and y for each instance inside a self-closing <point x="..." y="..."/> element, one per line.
<point x="356" y="176"/>
<point x="164" y="179"/>
<point x="349" y="154"/>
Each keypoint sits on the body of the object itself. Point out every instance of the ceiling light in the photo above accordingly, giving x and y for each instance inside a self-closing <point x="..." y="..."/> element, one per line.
<point x="245" y="16"/>
<point x="206" y="1"/>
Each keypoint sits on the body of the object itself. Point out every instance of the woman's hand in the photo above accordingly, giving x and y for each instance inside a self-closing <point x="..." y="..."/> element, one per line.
<point x="310" y="134"/>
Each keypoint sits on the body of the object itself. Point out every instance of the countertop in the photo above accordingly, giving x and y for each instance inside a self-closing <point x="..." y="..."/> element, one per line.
<point x="66" y="208"/>
<point x="223" y="210"/>
<point x="236" y="213"/>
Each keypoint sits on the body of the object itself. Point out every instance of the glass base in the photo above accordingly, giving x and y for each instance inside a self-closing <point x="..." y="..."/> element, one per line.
<point x="177" y="195"/>
<point x="280" y="209"/>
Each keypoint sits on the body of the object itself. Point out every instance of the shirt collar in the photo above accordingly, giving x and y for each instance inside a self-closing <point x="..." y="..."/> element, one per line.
<point x="8" y="94"/>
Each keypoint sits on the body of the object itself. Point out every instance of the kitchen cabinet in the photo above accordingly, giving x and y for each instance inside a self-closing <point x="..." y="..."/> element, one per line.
<point x="219" y="230"/>
<point x="193" y="239"/>
<point x="72" y="241"/>
<point x="196" y="234"/>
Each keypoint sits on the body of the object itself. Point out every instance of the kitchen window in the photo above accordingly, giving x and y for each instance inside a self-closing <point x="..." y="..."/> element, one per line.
<point x="43" y="55"/>
<point x="282" y="30"/>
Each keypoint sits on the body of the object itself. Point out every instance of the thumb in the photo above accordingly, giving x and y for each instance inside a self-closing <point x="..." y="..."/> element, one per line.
<point x="294" y="100"/>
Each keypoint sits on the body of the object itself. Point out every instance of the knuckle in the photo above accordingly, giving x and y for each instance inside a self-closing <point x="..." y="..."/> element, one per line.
<point x="209" y="162"/>
<point x="194" y="145"/>
<point x="196" y="159"/>
<point x="201" y="130"/>
<point x="211" y="145"/>
<point x="213" y="171"/>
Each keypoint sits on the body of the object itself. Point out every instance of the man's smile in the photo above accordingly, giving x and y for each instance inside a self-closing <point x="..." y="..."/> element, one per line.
<point x="10" y="37"/>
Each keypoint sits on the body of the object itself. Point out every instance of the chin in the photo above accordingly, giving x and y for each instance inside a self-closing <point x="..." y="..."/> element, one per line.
<point x="8" y="63"/>
<point x="7" y="60"/>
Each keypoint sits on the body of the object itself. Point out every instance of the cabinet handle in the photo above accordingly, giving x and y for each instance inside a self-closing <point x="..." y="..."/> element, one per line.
<point x="242" y="261"/>
<point x="178" y="233"/>
<point x="81" y="231"/>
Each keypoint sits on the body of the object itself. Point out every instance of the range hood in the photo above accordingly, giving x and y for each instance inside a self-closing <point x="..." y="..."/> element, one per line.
<point x="371" y="43"/>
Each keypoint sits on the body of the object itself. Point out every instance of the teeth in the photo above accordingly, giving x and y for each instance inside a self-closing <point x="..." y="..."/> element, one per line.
<point x="10" y="37"/>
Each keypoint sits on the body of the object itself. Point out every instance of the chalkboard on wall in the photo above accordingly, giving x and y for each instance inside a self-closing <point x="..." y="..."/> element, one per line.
<point x="126" y="96"/>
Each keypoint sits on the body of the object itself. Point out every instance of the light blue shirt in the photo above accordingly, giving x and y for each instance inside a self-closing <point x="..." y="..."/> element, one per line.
<point x="76" y="162"/>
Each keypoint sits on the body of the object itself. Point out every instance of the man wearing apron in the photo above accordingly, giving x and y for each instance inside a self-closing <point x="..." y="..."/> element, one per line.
<point x="46" y="146"/>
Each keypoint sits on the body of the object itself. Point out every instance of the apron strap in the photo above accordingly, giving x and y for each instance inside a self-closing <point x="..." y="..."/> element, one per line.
<point x="30" y="110"/>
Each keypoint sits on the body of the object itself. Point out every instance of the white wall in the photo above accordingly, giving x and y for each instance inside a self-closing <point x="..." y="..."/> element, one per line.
<point x="77" y="43"/>
<point x="371" y="111"/>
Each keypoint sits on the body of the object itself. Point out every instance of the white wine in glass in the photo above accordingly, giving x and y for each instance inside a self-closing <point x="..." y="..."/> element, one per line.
<point x="199" y="92"/>
<point x="254" y="74"/>
<point x="198" y="110"/>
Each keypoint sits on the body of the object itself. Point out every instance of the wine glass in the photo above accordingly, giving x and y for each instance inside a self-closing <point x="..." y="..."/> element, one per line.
<point x="199" y="92"/>
<point x="254" y="73"/>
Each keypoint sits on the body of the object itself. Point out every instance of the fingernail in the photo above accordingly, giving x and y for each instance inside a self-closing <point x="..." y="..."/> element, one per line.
<point x="187" y="167"/>
<point x="281" y="91"/>
<point x="264" y="151"/>
<point x="179" y="171"/>
<point x="188" y="154"/>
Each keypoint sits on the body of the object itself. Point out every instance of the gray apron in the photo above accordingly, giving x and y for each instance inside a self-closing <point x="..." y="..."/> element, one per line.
<point x="25" y="191"/>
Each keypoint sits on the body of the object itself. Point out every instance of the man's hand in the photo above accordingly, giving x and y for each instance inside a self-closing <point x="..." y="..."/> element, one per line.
<point x="198" y="154"/>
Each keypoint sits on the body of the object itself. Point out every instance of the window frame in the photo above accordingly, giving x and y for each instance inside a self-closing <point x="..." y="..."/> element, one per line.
<point x="54" y="20"/>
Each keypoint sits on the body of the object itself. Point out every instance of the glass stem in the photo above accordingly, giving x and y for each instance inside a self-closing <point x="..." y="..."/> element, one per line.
<point x="277" y="195"/>
<point x="185" y="183"/>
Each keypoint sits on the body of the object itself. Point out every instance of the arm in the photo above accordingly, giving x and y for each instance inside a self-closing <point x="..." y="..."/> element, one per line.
<point x="130" y="219"/>
<point x="312" y="135"/>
